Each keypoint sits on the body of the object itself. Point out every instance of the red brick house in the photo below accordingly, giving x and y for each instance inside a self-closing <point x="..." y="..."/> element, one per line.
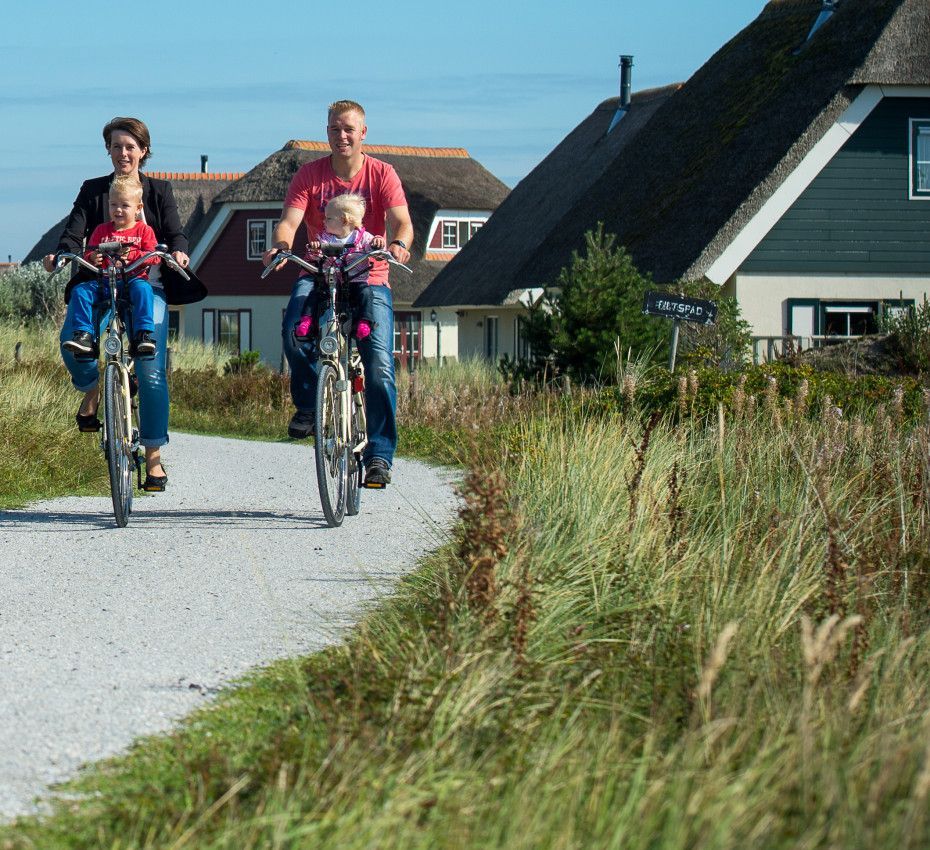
<point x="450" y="196"/>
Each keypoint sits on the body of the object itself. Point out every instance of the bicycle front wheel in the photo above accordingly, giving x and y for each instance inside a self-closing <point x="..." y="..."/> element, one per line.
<point x="117" y="443"/>
<point x="354" y="477"/>
<point x="332" y="453"/>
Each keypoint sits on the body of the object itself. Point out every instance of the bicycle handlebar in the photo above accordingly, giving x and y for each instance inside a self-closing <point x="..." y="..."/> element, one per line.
<point x="379" y="254"/>
<point x="64" y="256"/>
<point x="160" y="251"/>
<point x="282" y="257"/>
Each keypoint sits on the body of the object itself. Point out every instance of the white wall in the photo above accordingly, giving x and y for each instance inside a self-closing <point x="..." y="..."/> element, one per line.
<point x="763" y="298"/>
<point x="472" y="324"/>
<point x="266" y="321"/>
<point x="447" y="337"/>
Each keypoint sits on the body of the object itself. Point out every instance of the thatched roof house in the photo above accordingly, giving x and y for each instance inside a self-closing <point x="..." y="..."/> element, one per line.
<point x="791" y="114"/>
<point x="433" y="179"/>
<point x="486" y="271"/>
<point x="194" y="192"/>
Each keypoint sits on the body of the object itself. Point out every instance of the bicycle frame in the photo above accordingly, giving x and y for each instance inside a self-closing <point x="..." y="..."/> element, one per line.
<point x="336" y="347"/>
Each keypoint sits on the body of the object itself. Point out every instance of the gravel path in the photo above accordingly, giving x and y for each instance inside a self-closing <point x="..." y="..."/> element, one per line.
<point x="107" y="634"/>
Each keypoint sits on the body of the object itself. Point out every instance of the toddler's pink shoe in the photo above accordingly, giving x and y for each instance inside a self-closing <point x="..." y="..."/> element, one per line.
<point x="302" y="331"/>
<point x="362" y="329"/>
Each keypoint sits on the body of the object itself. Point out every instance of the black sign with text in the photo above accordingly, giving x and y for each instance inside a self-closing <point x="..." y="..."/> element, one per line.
<point x="674" y="306"/>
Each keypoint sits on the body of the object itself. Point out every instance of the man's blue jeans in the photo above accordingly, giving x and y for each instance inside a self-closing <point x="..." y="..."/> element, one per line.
<point x="377" y="352"/>
<point x="153" y="384"/>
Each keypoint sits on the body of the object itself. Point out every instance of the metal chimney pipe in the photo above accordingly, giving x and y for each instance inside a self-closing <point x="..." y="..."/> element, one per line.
<point x="203" y="163"/>
<point x="626" y="74"/>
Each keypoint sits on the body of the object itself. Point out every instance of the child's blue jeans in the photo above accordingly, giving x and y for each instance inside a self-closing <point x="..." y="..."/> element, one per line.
<point x="89" y="292"/>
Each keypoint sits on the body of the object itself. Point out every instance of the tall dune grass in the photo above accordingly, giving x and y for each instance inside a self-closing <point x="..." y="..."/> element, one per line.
<point x="644" y="634"/>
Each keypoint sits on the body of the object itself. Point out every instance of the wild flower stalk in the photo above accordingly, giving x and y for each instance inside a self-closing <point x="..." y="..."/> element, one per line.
<point x="639" y="464"/>
<point x="487" y="526"/>
<point x="739" y="397"/>
<point x="712" y="667"/>
<point x="897" y="406"/>
<point x="771" y="395"/>
<point x="675" y="511"/>
<point x="692" y="384"/>
<point x="682" y="395"/>
<point x="524" y="613"/>
<point x="629" y="388"/>
<point x="801" y="399"/>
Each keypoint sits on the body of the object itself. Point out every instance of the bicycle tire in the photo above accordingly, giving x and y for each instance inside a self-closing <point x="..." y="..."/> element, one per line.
<point x="332" y="456"/>
<point x="117" y="444"/>
<point x="354" y="482"/>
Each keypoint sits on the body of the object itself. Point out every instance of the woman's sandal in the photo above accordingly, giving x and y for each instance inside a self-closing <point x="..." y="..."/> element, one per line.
<point x="155" y="483"/>
<point x="87" y="423"/>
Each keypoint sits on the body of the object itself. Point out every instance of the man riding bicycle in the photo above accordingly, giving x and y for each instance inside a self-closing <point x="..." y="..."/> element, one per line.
<point x="348" y="170"/>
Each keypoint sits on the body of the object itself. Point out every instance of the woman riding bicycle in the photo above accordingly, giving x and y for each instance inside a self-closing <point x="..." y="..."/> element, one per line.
<point x="128" y="144"/>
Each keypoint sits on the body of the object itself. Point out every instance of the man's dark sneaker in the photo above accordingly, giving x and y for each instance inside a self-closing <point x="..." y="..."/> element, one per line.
<point x="81" y="345"/>
<point x="377" y="474"/>
<point x="144" y="345"/>
<point x="302" y="425"/>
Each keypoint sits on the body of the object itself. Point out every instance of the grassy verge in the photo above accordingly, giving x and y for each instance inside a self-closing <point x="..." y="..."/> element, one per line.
<point x="704" y="634"/>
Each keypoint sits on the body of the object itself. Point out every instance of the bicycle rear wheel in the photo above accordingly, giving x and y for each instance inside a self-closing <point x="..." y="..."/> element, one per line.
<point x="117" y="443"/>
<point x="332" y="455"/>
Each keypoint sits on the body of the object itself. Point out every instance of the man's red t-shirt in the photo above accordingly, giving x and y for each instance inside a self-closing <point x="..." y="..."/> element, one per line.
<point x="315" y="183"/>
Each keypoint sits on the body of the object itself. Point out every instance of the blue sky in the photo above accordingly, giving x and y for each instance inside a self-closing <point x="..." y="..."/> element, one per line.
<point x="236" y="80"/>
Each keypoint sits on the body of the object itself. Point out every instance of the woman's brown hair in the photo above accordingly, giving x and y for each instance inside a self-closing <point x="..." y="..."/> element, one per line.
<point x="135" y="128"/>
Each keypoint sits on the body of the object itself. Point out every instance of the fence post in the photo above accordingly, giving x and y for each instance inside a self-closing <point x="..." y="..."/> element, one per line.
<point x="169" y="360"/>
<point x="567" y="385"/>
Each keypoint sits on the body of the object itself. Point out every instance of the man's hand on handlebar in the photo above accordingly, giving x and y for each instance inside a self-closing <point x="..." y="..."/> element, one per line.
<point x="181" y="259"/>
<point x="402" y="255"/>
<point x="270" y="254"/>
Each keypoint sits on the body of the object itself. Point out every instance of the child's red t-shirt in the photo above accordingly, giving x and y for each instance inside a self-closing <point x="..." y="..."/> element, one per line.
<point x="140" y="238"/>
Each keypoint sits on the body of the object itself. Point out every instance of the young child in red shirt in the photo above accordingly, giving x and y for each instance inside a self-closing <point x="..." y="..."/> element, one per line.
<point x="125" y="198"/>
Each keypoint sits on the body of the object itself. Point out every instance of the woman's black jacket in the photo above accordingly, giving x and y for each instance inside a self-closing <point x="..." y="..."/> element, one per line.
<point x="91" y="208"/>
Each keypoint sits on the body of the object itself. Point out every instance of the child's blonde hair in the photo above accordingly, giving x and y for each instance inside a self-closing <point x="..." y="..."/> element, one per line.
<point x="350" y="206"/>
<point x="126" y="185"/>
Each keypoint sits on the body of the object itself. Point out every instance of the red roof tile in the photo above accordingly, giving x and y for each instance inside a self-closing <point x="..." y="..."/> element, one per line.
<point x="406" y="150"/>
<point x="195" y="175"/>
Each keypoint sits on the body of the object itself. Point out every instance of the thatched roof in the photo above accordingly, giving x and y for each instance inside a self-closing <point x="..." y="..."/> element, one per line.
<point x="708" y="159"/>
<point x="433" y="179"/>
<point x="194" y="192"/>
<point x="485" y="270"/>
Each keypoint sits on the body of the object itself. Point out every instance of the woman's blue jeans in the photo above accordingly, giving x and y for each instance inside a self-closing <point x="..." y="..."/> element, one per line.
<point x="151" y="371"/>
<point x="377" y="351"/>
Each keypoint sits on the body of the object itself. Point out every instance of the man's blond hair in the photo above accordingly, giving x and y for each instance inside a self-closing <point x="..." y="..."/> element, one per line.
<point x="340" y="106"/>
<point x="350" y="206"/>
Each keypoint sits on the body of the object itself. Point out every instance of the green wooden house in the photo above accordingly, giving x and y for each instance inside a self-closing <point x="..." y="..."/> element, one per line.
<point x="792" y="170"/>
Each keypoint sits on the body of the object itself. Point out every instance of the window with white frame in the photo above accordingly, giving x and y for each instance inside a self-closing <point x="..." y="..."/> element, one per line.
<point x="259" y="236"/>
<point x="230" y="330"/>
<point x="457" y="231"/>
<point x="920" y="157"/>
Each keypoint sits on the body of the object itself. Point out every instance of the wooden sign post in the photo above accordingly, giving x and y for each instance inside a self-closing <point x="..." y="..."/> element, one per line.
<point x="678" y="308"/>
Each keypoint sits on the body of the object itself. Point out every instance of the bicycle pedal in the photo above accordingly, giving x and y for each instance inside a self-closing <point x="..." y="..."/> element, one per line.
<point x="368" y="486"/>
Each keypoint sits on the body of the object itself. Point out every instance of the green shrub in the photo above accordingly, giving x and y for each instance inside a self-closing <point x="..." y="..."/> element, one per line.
<point x="246" y="362"/>
<point x="594" y="311"/>
<point x="700" y="391"/>
<point x="726" y="343"/>
<point x="910" y="334"/>
<point x="29" y="292"/>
